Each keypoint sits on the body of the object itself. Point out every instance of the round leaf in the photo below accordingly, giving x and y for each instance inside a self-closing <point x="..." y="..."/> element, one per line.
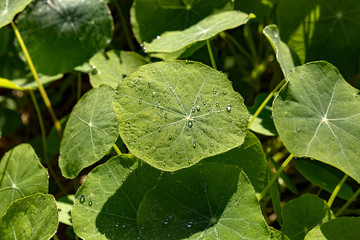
<point x="106" y="204"/>
<point x="317" y="115"/>
<point x="9" y="8"/>
<point x="89" y="133"/>
<point x="173" y="114"/>
<point x="207" y="201"/>
<point x="61" y="35"/>
<point x="32" y="217"/>
<point x="21" y="174"/>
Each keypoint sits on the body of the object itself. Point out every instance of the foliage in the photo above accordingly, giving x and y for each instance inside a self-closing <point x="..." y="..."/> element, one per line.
<point x="179" y="119"/>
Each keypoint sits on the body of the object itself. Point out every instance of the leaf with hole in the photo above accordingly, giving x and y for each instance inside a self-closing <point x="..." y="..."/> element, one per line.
<point x="89" y="133"/>
<point x="206" y="201"/>
<point x="317" y="115"/>
<point x="21" y="174"/>
<point x="61" y="35"/>
<point x="173" y="114"/>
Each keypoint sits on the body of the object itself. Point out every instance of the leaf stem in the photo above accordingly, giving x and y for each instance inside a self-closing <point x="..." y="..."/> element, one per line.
<point x="274" y="177"/>
<point x="336" y="191"/>
<point x="213" y="63"/>
<point x="250" y="41"/>
<point x="258" y="111"/>
<point x="125" y="27"/>
<point x="117" y="150"/>
<point x="36" y="77"/>
<point x="78" y="94"/>
<point x="239" y="47"/>
<point x="43" y="137"/>
<point x="347" y="204"/>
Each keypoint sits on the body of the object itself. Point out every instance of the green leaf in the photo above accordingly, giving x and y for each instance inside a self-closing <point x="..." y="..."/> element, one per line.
<point x="28" y="82"/>
<point x="322" y="30"/>
<point x="173" y="114"/>
<point x="282" y="51"/>
<point x="260" y="8"/>
<point x="106" y="204"/>
<point x="302" y="214"/>
<point x="89" y="133"/>
<point x="339" y="228"/>
<point x="203" y="30"/>
<point x="32" y="217"/>
<point x="277" y="235"/>
<point x="206" y="201"/>
<point x="111" y="67"/>
<point x="21" y="174"/>
<point x="317" y="115"/>
<point x="324" y="176"/>
<point x="64" y="206"/>
<point x="150" y="18"/>
<point x="9" y="8"/>
<point x="249" y="157"/>
<point x="263" y="123"/>
<point x="61" y="35"/>
<point x="275" y="192"/>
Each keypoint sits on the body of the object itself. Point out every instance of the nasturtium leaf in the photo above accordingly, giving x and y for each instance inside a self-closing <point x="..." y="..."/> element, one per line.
<point x="180" y="54"/>
<point x="111" y="67"/>
<point x="258" y="7"/>
<point x="324" y="176"/>
<point x="206" y="201"/>
<point x="302" y="214"/>
<point x="150" y="18"/>
<point x="173" y="114"/>
<point x="263" y="123"/>
<point x="61" y="35"/>
<point x="317" y="115"/>
<point x="21" y="174"/>
<point x="282" y="51"/>
<point x="339" y="228"/>
<point x="64" y="206"/>
<point x="323" y="30"/>
<point x="277" y="235"/>
<point x="9" y="8"/>
<point x="206" y="28"/>
<point x="249" y="157"/>
<point x="106" y="204"/>
<point x="32" y="217"/>
<point x="89" y="133"/>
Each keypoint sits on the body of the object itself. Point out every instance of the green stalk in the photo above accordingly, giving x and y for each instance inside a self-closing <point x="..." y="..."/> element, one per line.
<point x="78" y="94"/>
<point x="211" y="54"/>
<point x="250" y="41"/>
<point x="125" y="27"/>
<point x="258" y="111"/>
<point x="336" y="191"/>
<point x="117" y="150"/>
<point x="275" y="177"/>
<point x="240" y="48"/>
<point x="44" y="143"/>
<point x="347" y="204"/>
<point x="36" y="77"/>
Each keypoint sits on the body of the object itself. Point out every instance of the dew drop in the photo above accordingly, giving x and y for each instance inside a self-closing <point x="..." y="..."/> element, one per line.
<point x="59" y="209"/>
<point x="82" y="199"/>
<point x="124" y="225"/>
<point x="204" y="102"/>
<point x="157" y="37"/>
<point x="214" y="91"/>
<point x="193" y="110"/>
<point x="166" y="222"/>
<point x="189" y="161"/>
<point x="198" y="108"/>
<point x="194" y="144"/>
<point x="153" y="93"/>
<point x="217" y="104"/>
<point x="190" y="123"/>
<point x="90" y="203"/>
<point x="94" y="70"/>
<point x="228" y="108"/>
<point x="140" y="101"/>
<point x="149" y="83"/>
<point x="171" y="88"/>
<point x="153" y="71"/>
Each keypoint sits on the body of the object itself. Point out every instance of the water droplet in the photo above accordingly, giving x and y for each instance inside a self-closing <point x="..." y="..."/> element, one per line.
<point x="124" y="225"/>
<point x="214" y="91"/>
<point x="194" y="144"/>
<point x="170" y="216"/>
<point x="228" y="108"/>
<point x="149" y="83"/>
<point x="189" y="225"/>
<point x="94" y="70"/>
<point x="90" y="203"/>
<point x="198" y="108"/>
<point x="171" y="88"/>
<point x="82" y="199"/>
<point x="59" y="209"/>
<point x="140" y="101"/>
<point x="190" y="123"/>
<point x="153" y="93"/>
<point x="193" y="110"/>
<point x="153" y="71"/>
<point x="210" y="150"/>
<point x="217" y="104"/>
<point x="170" y="137"/>
<point x="204" y="102"/>
<point x="166" y="222"/>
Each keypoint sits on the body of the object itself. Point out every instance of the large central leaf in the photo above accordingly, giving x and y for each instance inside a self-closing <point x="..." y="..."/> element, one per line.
<point x="317" y="114"/>
<point x="173" y="114"/>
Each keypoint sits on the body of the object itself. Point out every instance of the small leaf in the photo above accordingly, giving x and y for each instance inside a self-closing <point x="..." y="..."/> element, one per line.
<point x="32" y="217"/>
<point x="106" y="204"/>
<point x="317" y="115"/>
<point x="64" y="206"/>
<point x="203" y="30"/>
<point x="111" y="67"/>
<point x="61" y="35"/>
<point x="302" y="214"/>
<point x="206" y="201"/>
<point x="21" y="174"/>
<point x="339" y="228"/>
<point x="9" y="8"/>
<point x="89" y="133"/>
<point x="173" y="114"/>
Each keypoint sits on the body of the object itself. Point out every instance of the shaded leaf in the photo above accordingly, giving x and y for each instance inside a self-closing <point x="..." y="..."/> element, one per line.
<point x="106" y="204"/>
<point x="277" y="235"/>
<point x="64" y="206"/>
<point x="21" y="174"/>
<point x="206" y="201"/>
<point x="260" y="8"/>
<point x="317" y="115"/>
<point x="89" y="133"/>
<point x="287" y="180"/>
<point x="61" y="35"/>
<point x="9" y="8"/>
<point x="32" y="217"/>
<point x="173" y="114"/>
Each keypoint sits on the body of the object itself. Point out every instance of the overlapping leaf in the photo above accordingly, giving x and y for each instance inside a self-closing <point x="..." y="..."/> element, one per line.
<point x="9" y="8"/>
<point x="89" y="133"/>
<point x="21" y="174"/>
<point x="173" y="114"/>
<point x="317" y="115"/>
